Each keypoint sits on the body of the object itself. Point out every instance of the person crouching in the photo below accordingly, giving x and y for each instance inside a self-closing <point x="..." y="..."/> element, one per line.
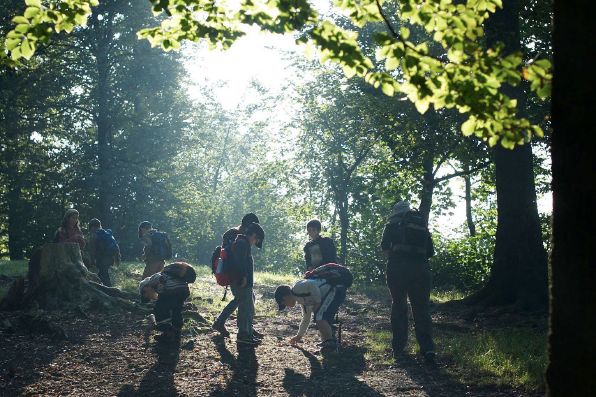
<point x="170" y="289"/>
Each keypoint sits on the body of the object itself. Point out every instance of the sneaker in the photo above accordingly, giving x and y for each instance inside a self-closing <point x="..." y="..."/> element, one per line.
<point x="429" y="357"/>
<point x="221" y="328"/>
<point x="248" y="341"/>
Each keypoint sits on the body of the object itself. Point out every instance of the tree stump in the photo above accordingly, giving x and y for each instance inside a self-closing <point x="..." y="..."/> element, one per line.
<point x="58" y="280"/>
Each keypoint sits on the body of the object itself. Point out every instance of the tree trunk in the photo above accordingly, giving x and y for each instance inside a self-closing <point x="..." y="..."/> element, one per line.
<point x="428" y="186"/>
<point x="102" y="31"/>
<point x="344" y="223"/>
<point x="519" y="272"/>
<point x="16" y="243"/>
<point x="468" y="198"/>
<point x="58" y="280"/>
<point x="572" y="349"/>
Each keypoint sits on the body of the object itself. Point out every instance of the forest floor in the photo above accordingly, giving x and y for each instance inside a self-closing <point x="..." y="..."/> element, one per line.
<point x="114" y="354"/>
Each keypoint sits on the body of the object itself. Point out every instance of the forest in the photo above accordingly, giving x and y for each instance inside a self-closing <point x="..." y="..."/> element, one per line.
<point x="190" y="114"/>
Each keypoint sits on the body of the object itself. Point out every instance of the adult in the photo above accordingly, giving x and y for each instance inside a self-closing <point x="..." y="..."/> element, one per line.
<point x="407" y="244"/>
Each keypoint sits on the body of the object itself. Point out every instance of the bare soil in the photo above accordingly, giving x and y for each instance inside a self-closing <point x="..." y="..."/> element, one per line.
<point x="102" y="354"/>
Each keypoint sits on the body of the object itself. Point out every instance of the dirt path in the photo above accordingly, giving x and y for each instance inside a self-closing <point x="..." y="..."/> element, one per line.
<point x="110" y="355"/>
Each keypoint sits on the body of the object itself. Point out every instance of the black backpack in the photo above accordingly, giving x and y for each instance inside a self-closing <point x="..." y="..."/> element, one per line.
<point x="160" y="245"/>
<point x="411" y="234"/>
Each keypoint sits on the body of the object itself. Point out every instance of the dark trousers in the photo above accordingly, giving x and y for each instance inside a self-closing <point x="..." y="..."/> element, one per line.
<point x="413" y="281"/>
<point x="103" y="267"/>
<point x="168" y="309"/>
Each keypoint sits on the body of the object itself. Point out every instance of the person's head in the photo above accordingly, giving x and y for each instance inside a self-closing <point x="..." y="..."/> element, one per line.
<point x="248" y="219"/>
<point x="313" y="228"/>
<point x="71" y="219"/>
<point x="94" y="224"/>
<point x="284" y="297"/>
<point x="399" y="209"/>
<point x="144" y="228"/>
<point x="255" y="234"/>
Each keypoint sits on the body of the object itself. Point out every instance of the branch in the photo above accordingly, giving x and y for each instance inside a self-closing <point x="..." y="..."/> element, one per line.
<point x="464" y="172"/>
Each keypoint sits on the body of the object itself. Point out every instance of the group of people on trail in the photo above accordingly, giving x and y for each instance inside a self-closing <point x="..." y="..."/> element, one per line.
<point x="406" y="243"/>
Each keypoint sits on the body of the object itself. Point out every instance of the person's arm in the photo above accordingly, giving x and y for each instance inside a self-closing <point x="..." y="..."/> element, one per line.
<point x="303" y="327"/>
<point x="386" y="241"/>
<point x="80" y="239"/>
<point x="330" y="254"/>
<point x="241" y="253"/>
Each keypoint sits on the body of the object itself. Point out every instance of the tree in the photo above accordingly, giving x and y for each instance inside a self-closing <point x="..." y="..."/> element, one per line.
<point x="519" y="272"/>
<point x="573" y="296"/>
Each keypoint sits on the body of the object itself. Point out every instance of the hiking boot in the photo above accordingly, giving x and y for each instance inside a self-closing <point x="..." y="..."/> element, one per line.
<point x="241" y="340"/>
<point x="257" y="334"/>
<point x="429" y="357"/>
<point x="221" y="328"/>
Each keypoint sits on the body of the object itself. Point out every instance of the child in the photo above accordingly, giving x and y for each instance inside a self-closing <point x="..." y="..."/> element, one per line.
<point x="103" y="250"/>
<point x="230" y="236"/>
<point x="316" y="297"/>
<point x="170" y="288"/>
<point x="242" y="289"/>
<point x="319" y="250"/>
<point x="156" y="250"/>
<point x="70" y="230"/>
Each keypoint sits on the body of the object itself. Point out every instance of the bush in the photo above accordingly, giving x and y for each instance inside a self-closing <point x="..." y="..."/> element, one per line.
<point x="462" y="264"/>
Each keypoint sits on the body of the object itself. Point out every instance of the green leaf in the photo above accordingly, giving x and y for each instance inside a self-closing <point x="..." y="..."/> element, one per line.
<point x="469" y="126"/>
<point x="30" y="12"/>
<point x="388" y="89"/>
<point x="33" y="3"/>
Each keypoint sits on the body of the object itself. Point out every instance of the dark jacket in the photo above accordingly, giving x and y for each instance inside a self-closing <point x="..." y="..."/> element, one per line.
<point x="390" y="236"/>
<point x="243" y="259"/>
<point x="319" y="251"/>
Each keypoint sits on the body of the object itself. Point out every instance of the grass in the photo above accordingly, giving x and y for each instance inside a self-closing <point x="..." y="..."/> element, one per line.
<point x="503" y="356"/>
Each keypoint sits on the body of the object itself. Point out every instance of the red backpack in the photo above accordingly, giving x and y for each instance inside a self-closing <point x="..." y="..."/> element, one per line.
<point x="333" y="273"/>
<point x="223" y="265"/>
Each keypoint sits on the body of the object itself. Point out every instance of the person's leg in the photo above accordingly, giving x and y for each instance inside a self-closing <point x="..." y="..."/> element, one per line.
<point x="163" y="313"/>
<point x="399" y="308"/>
<point x="245" y="308"/>
<point x="177" y="305"/>
<point x="419" y="293"/>
<point x="226" y="312"/>
<point x="153" y="266"/>
<point x="103" y="267"/>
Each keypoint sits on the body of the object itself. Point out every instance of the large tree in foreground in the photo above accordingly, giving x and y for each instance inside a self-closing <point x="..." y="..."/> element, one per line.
<point x="573" y="260"/>
<point x="519" y="272"/>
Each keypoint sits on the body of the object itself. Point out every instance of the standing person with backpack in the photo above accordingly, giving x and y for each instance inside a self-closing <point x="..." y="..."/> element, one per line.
<point x="319" y="250"/>
<point x="157" y="249"/>
<point x="240" y="268"/>
<point x="408" y="245"/>
<point x="320" y="295"/>
<point x="228" y="239"/>
<point x="103" y="250"/>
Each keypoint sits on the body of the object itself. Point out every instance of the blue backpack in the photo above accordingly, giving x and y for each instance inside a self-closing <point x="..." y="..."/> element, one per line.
<point x="107" y="244"/>
<point x="160" y="245"/>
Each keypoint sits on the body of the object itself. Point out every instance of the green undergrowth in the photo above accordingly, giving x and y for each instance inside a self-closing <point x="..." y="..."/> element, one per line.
<point x="502" y="356"/>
